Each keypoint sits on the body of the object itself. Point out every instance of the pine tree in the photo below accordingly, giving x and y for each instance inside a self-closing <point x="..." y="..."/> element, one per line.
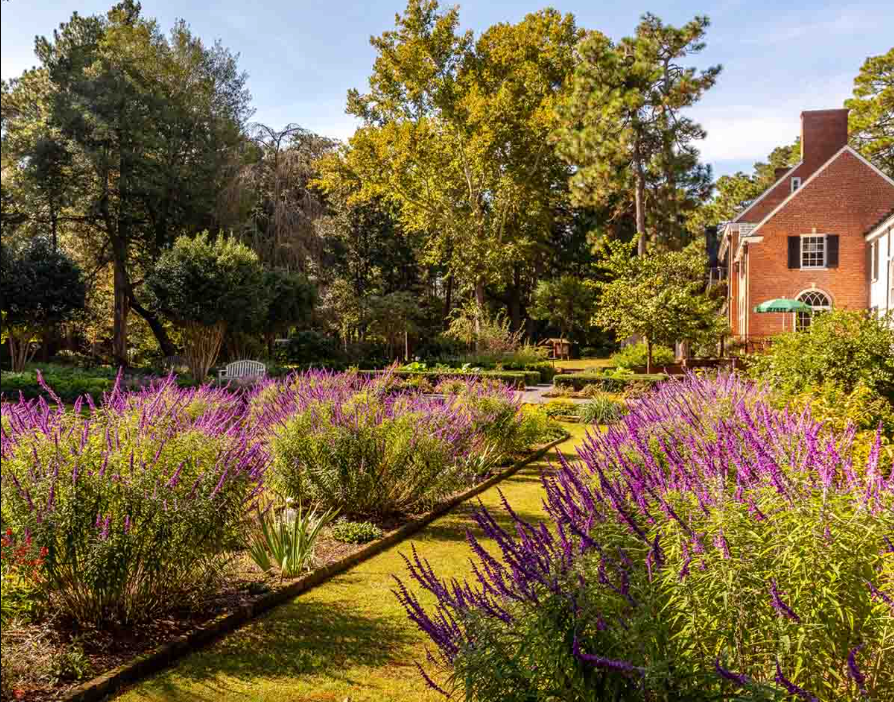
<point x="624" y="126"/>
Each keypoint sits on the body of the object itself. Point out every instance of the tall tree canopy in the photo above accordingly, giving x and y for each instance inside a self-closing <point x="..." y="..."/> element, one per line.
<point x="872" y="111"/>
<point x="625" y="130"/>
<point x="456" y="133"/>
<point x="129" y="135"/>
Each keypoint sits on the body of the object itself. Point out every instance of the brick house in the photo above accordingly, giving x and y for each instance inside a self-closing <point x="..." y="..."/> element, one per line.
<point x="811" y="235"/>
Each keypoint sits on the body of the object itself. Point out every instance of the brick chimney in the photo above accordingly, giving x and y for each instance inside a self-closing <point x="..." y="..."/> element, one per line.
<point x="779" y="172"/>
<point x="823" y="134"/>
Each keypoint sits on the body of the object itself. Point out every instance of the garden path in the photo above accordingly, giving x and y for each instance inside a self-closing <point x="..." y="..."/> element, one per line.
<point x="348" y="640"/>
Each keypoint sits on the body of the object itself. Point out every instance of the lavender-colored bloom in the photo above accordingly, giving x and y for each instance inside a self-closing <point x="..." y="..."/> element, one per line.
<point x="737" y="679"/>
<point x="791" y="688"/>
<point x="854" y="670"/>
<point x="779" y="605"/>
<point x="605" y="663"/>
<point x="881" y="596"/>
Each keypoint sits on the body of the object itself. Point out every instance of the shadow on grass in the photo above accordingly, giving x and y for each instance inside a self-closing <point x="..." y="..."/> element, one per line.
<point x="300" y="639"/>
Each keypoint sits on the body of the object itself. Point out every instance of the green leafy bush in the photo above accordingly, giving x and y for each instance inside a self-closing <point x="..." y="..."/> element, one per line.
<point x="364" y="458"/>
<point x="356" y="532"/>
<point x="516" y="379"/>
<point x="538" y="427"/>
<point x="607" y="383"/>
<point x="637" y="356"/>
<point x="842" y="348"/>
<point x="560" y="408"/>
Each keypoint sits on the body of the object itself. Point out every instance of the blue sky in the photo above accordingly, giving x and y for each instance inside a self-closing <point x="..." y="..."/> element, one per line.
<point x="304" y="55"/>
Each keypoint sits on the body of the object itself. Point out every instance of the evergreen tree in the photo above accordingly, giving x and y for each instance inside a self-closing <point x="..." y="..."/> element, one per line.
<point x="872" y="111"/>
<point x="625" y="131"/>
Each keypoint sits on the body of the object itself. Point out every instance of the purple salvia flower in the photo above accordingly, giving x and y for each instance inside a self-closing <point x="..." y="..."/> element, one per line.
<point x="791" y="688"/>
<point x="605" y="663"/>
<point x="779" y="605"/>
<point x="854" y="670"/>
<point x="722" y="545"/>
<point x="737" y="679"/>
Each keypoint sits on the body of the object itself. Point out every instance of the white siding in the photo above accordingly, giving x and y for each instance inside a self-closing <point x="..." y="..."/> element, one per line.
<point x="881" y="294"/>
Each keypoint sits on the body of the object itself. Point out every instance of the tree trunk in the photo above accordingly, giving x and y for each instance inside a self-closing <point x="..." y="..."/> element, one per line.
<point x="158" y="329"/>
<point x="20" y="351"/>
<point x="640" y="198"/>
<point x="203" y="346"/>
<point x="448" y="304"/>
<point x="121" y="311"/>
<point x="480" y="301"/>
<point x="515" y="305"/>
<point x="649" y="359"/>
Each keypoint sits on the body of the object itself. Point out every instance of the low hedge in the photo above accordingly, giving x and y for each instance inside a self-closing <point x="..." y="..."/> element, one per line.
<point x="607" y="383"/>
<point x="517" y="379"/>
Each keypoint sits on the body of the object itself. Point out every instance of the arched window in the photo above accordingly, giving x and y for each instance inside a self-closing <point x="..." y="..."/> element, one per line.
<point x="818" y="301"/>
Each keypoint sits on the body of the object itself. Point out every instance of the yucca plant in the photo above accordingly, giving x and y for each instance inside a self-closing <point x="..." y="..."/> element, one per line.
<point x="288" y="540"/>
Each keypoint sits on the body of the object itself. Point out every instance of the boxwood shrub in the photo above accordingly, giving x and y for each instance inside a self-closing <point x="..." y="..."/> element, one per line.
<point x="607" y="383"/>
<point x="516" y="379"/>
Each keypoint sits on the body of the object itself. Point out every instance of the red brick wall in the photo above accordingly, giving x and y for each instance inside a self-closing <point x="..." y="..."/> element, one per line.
<point x="846" y="199"/>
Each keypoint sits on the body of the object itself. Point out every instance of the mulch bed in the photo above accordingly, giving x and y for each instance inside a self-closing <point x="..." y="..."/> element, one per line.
<point x="108" y="649"/>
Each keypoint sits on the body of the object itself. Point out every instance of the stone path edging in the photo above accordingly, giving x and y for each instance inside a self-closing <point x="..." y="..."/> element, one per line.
<point x="141" y="667"/>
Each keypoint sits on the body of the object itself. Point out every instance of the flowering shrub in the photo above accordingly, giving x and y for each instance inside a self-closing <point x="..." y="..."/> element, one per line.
<point x="706" y="547"/>
<point x="351" y="443"/>
<point x="132" y="504"/>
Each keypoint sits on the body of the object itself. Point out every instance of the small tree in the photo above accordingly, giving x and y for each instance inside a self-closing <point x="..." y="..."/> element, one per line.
<point x="292" y="298"/>
<point x="660" y="297"/>
<point x="393" y="317"/>
<point x="39" y="287"/>
<point x="567" y="303"/>
<point x="205" y="287"/>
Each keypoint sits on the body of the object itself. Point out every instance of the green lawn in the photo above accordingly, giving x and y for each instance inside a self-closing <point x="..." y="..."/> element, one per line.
<point x="347" y="640"/>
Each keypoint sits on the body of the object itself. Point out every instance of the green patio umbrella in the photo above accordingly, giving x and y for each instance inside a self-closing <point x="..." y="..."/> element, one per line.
<point x="783" y="306"/>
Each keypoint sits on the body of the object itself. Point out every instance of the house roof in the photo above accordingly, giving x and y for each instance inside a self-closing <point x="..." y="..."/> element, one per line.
<point x="767" y="191"/>
<point x="876" y="230"/>
<point x="819" y="171"/>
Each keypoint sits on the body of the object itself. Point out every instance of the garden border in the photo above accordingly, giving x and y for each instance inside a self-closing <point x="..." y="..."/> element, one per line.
<point x="108" y="684"/>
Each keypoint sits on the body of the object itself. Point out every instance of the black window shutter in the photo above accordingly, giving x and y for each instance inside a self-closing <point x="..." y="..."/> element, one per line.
<point x="832" y="253"/>
<point x="794" y="252"/>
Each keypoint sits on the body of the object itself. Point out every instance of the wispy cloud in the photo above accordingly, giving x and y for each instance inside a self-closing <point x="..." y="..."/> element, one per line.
<point x="846" y="22"/>
<point x="749" y="128"/>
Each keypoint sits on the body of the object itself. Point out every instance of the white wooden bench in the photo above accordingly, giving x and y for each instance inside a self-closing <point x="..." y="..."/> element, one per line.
<point x="242" y="370"/>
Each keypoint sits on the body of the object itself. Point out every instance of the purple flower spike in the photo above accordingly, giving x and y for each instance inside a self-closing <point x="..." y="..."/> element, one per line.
<point x="854" y="670"/>
<point x="791" y="688"/>
<point x="605" y="663"/>
<point x="737" y="679"/>
<point x="781" y="606"/>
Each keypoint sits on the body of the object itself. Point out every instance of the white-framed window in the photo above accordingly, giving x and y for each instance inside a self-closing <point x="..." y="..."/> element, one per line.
<point x="813" y="251"/>
<point x="818" y="302"/>
<point x="796" y="183"/>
